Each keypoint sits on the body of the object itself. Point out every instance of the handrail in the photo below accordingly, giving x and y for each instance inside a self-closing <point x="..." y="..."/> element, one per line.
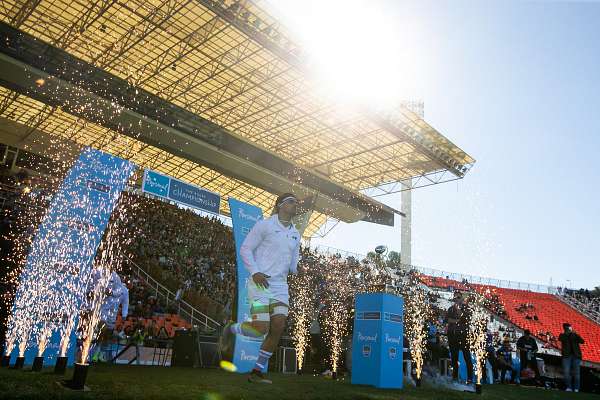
<point x="580" y="306"/>
<point x="185" y="309"/>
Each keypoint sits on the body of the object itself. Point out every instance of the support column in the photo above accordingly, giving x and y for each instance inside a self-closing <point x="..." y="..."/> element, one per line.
<point x="406" y="223"/>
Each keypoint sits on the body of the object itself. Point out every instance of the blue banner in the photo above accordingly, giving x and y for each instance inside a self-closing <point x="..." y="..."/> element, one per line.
<point x="243" y="217"/>
<point x="63" y="250"/>
<point x="155" y="183"/>
<point x="181" y="192"/>
<point x="377" y="343"/>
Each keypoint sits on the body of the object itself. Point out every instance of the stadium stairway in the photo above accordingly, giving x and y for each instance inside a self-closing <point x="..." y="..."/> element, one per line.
<point x="188" y="313"/>
<point x="581" y="307"/>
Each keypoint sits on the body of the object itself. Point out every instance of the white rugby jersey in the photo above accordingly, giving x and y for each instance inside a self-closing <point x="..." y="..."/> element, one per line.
<point x="272" y="248"/>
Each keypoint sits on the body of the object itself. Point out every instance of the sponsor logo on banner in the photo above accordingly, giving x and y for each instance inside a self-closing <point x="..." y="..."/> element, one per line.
<point x="98" y="186"/>
<point x="393" y="339"/>
<point x="248" y="357"/>
<point x="396" y="318"/>
<point x="156" y="183"/>
<point x="392" y="353"/>
<point x="370" y="315"/>
<point x="366" y="350"/>
<point x="367" y="338"/>
<point x="76" y="224"/>
<point x="194" y="196"/>
<point x="244" y="215"/>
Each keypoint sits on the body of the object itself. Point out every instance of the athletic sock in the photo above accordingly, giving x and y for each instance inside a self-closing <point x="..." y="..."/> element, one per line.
<point x="261" y="362"/>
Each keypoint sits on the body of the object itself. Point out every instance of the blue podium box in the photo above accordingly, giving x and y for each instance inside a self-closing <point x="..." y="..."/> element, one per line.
<point x="377" y="342"/>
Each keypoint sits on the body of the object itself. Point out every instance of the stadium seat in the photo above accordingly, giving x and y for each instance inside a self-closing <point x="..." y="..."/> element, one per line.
<point x="551" y="313"/>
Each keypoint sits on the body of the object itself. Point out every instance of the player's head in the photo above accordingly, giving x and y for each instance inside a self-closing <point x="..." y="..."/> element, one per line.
<point x="526" y="332"/>
<point x="286" y="203"/>
<point x="567" y="327"/>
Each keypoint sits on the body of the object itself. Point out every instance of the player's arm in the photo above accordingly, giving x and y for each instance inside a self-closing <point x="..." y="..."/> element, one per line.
<point x="295" y="259"/>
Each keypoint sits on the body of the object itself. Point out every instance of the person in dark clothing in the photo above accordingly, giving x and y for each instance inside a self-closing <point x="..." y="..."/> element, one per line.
<point x="527" y="347"/>
<point x="459" y="319"/>
<point x="504" y="361"/>
<point x="571" y="357"/>
<point x="491" y="357"/>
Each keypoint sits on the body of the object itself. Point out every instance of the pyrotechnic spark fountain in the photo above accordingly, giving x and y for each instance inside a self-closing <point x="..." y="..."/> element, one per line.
<point x="21" y="320"/>
<point x="65" y="329"/>
<point x="417" y="312"/>
<point x="302" y="310"/>
<point x="89" y="322"/>
<point x="43" y="336"/>
<point x="477" y="334"/>
<point x="109" y="259"/>
<point x="337" y="299"/>
<point x="32" y="314"/>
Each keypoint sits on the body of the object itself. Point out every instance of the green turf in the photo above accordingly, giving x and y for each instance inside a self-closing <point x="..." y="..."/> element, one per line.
<point x="132" y="382"/>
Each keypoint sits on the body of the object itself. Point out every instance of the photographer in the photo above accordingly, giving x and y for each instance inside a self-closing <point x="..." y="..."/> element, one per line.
<point x="571" y="357"/>
<point x="527" y="347"/>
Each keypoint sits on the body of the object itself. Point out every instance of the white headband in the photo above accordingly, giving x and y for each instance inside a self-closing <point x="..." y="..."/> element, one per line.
<point x="287" y="199"/>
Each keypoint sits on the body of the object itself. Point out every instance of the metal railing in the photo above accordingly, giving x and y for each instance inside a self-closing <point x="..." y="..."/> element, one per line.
<point x="580" y="306"/>
<point x="184" y="309"/>
<point x="438" y="273"/>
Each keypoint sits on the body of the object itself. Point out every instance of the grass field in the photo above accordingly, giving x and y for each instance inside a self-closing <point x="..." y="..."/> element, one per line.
<point x="133" y="382"/>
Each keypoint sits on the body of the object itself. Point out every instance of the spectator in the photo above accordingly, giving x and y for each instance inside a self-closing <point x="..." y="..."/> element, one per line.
<point x="504" y="361"/>
<point x="138" y="337"/>
<point x="458" y="327"/>
<point x="527" y="347"/>
<point x="491" y="356"/>
<point x="571" y="357"/>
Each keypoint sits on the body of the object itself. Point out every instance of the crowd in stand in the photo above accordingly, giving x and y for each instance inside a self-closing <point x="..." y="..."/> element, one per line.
<point x="493" y="303"/>
<point x="590" y="298"/>
<point x="189" y="253"/>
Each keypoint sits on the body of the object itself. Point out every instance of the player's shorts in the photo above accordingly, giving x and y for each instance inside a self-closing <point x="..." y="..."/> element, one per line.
<point x="265" y="303"/>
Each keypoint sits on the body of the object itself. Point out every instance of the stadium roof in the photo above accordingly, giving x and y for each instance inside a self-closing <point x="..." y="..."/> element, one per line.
<point x="234" y="66"/>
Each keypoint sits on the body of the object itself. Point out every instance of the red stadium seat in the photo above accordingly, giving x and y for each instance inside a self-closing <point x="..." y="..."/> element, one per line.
<point x="551" y="313"/>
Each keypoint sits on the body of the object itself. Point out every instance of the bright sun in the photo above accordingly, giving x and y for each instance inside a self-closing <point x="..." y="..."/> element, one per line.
<point x="358" y="52"/>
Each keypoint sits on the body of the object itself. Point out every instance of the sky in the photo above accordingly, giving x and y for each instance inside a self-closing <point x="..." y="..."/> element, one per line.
<point x="517" y="86"/>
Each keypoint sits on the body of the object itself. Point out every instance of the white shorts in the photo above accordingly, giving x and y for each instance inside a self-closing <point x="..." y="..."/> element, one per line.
<point x="267" y="302"/>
